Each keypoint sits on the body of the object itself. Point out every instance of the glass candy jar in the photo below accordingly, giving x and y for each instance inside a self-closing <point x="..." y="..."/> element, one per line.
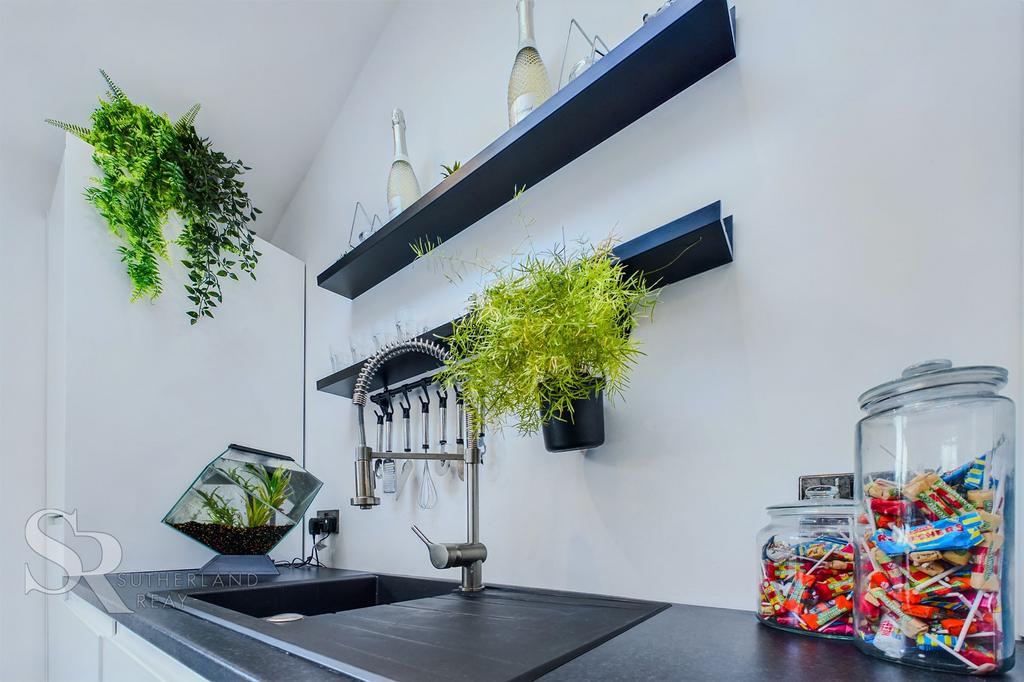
<point x="805" y="566"/>
<point x="934" y="487"/>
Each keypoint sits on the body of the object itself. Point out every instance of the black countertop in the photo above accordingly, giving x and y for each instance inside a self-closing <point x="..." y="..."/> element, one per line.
<point x="680" y="643"/>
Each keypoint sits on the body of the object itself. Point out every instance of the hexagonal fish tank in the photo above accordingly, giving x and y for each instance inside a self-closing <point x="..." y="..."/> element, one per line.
<point x="242" y="505"/>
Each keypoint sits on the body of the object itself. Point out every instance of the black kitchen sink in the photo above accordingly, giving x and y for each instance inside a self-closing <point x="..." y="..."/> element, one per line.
<point x="315" y="598"/>
<point x="385" y="627"/>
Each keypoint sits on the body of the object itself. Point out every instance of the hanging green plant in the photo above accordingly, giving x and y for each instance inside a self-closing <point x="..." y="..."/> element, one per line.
<point x="151" y="167"/>
<point x="545" y="332"/>
<point x="215" y="209"/>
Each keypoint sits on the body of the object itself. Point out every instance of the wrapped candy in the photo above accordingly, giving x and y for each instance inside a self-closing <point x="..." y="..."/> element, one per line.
<point x="825" y="612"/>
<point x="976" y="474"/>
<point x="983" y="560"/>
<point x="807" y="587"/>
<point x="935" y="497"/>
<point x="960" y="533"/>
<point x="932" y="568"/>
<point x="799" y="591"/>
<point x="834" y="587"/>
<point x="908" y="624"/>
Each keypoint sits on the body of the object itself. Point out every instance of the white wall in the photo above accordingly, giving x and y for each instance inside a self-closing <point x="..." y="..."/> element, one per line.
<point x="871" y="154"/>
<point x="22" y="413"/>
<point x="139" y="400"/>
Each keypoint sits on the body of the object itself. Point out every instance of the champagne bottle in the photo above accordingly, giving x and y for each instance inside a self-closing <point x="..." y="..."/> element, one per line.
<point x="528" y="85"/>
<point x="403" y="189"/>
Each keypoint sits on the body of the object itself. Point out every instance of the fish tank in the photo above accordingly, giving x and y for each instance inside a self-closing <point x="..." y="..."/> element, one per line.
<point x="241" y="505"/>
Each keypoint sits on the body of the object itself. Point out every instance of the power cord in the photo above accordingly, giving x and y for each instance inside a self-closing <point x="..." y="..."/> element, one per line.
<point x="319" y="534"/>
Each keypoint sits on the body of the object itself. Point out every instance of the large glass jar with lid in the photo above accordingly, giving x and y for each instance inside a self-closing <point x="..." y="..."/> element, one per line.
<point x="805" y="566"/>
<point x="934" y="488"/>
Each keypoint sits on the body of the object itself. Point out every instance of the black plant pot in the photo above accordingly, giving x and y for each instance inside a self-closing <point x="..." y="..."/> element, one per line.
<point x="582" y="430"/>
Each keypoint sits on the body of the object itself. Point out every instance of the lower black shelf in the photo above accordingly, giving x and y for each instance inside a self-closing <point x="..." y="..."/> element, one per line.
<point x="687" y="246"/>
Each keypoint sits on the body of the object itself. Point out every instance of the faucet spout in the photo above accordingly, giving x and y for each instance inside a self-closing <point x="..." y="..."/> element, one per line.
<point x="469" y="555"/>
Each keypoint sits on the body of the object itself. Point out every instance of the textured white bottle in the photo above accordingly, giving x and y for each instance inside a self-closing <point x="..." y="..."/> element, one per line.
<point x="528" y="86"/>
<point x="403" y="188"/>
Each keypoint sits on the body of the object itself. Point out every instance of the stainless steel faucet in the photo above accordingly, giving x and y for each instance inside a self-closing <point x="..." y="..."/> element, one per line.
<point x="469" y="555"/>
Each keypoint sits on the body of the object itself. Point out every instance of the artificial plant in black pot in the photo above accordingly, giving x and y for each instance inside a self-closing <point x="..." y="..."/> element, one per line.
<point x="546" y="339"/>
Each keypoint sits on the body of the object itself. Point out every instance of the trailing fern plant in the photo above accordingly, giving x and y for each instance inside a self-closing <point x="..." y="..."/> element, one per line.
<point x="151" y="167"/>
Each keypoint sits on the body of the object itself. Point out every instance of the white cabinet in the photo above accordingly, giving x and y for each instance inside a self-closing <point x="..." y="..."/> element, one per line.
<point x="86" y="645"/>
<point x="73" y="646"/>
<point x="139" y="400"/>
<point x="118" y="666"/>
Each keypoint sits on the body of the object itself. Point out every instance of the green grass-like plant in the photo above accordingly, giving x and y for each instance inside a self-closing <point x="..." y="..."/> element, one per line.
<point x="265" y="491"/>
<point x="151" y="167"/>
<point x="544" y="331"/>
<point x="218" y="509"/>
<point x="448" y="171"/>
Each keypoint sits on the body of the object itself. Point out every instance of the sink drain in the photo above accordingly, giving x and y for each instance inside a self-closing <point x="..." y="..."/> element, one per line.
<point x="284" y="618"/>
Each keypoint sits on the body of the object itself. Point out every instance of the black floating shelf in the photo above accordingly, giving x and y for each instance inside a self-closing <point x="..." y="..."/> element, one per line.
<point x="672" y="51"/>
<point x="685" y="247"/>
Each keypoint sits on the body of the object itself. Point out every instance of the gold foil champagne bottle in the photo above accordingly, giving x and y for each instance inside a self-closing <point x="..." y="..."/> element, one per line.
<point x="528" y="85"/>
<point x="403" y="189"/>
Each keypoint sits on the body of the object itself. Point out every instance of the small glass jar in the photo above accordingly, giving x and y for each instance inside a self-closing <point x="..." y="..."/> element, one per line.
<point x="934" y="487"/>
<point x="805" y="566"/>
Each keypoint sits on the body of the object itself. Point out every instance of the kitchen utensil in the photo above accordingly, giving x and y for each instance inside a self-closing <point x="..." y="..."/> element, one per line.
<point x="425" y="417"/>
<point x="443" y="467"/>
<point x="403" y="477"/>
<point x="460" y="433"/>
<point x="380" y="424"/>
<point x="406" y="422"/>
<point x="389" y="423"/>
<point x="383" y="469"/>
<point x="460" y="422"/>
<point x="428" y="491"/>
<point x="389" y="481"/>
<point x="442" y="412"/>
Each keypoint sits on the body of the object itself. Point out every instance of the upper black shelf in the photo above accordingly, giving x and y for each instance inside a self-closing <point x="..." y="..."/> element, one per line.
<point x="672" y="51"/>
<point x="685" y="247"/>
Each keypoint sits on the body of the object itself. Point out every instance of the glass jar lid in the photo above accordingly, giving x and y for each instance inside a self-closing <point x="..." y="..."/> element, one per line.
<point x="933" y="374"/>
<point x="821" y="500"/>
<point x="813" y="507"/>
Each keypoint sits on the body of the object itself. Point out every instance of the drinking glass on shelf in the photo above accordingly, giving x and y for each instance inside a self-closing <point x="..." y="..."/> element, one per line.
<point x="337" y="363"/>
<point x="407" y="325"/>
<point x="353" y="349"/>
<point x="362" y="347"/>
<point x="382" y="337"/>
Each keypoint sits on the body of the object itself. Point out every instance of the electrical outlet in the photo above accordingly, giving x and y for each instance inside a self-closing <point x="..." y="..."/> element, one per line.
<point x="844" y="482"/>
<point x="331" y="522"/>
